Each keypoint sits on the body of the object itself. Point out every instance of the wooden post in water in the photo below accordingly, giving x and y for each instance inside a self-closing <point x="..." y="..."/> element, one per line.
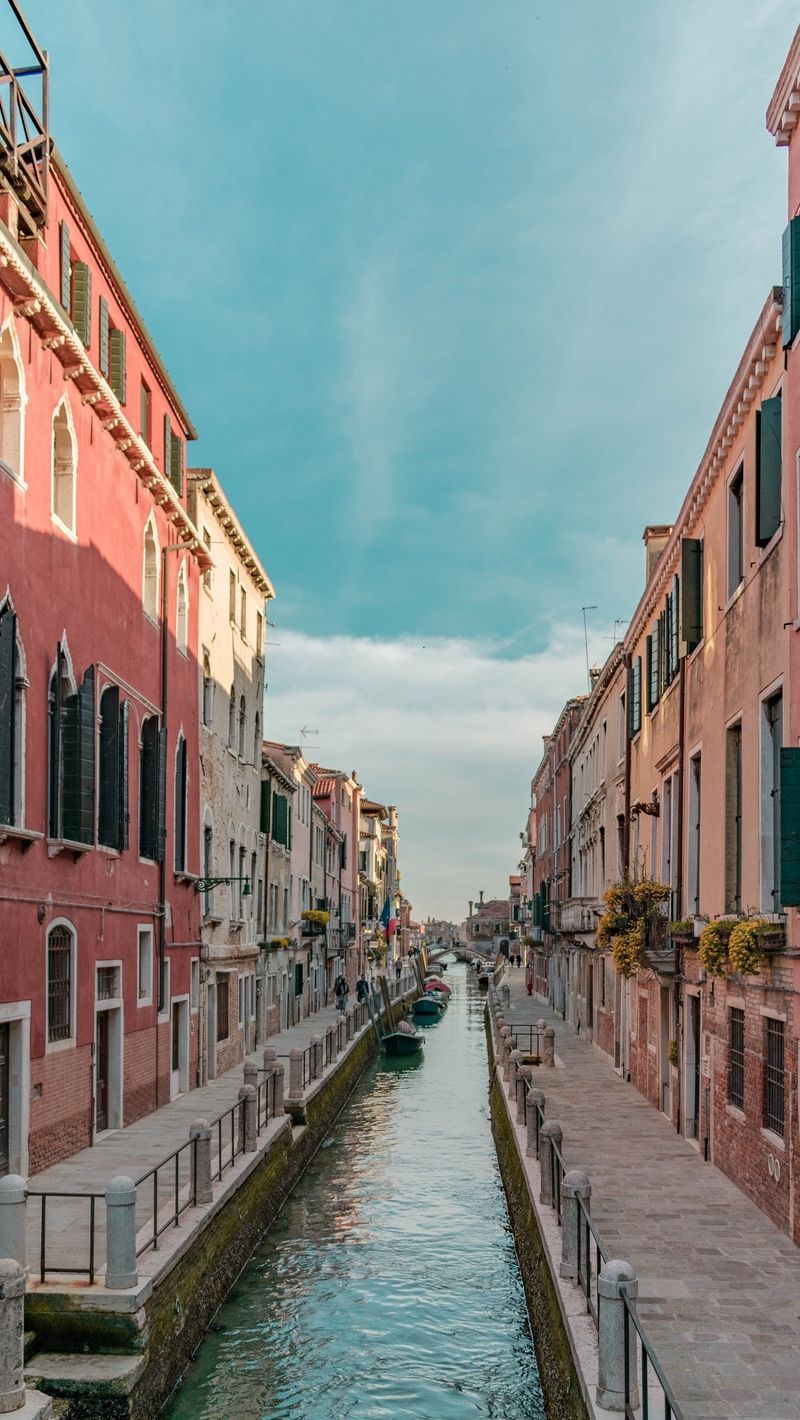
<point x="387" y="1000"/>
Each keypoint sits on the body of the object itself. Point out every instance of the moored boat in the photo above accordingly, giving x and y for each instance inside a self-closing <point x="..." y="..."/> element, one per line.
<point x="428" y="1006"/>
<point x="403" y="1042"/>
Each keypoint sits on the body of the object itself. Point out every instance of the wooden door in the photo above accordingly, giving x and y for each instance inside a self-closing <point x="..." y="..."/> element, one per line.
<point x="101" y="1073"/>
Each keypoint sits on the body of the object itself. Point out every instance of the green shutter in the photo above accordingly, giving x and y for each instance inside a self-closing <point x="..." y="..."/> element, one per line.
<point x="790" y="828"/>
<point x="280" y="819"/>
<point x="124" y="815"/>
<point x="8" y="675"/>
<point x="66" y="269"/>
<point x="537" y="910"/>
<point x="791" y="281"/>
<point x="692" y="599"/>
<point x="167" y="447"/>
<point x="118" y="381"/>
<point x="176" y="464"/>
<point x="649" y="672"/>
<point x="161" y="802"/>
<point x="635" y="697"/>
<point x="265" y="806"/>
<point x="82" y="301"/>
<point x="77" y="764"/>
<point x="768" y="470"/>
<point x="103" y="332"/>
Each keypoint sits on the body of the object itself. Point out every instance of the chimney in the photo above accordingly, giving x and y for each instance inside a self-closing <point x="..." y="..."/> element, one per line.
<point x="655" y="538"/>
<point x="594" y="676"/>
<point x="481" y="897"/>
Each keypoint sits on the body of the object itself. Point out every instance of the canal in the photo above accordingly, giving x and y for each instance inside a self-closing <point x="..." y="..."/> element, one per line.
<point x="388" y="1285"/>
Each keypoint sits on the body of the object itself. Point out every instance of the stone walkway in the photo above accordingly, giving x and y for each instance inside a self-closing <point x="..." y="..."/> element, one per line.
<point x="140" y="1147"/>
<point x="719" y="1284"/>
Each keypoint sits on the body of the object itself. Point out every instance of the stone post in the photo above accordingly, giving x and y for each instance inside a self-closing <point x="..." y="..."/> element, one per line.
<point x="13" y="1209"/>
<point x="615" y="1278"/>
<point x="12" y="1335"/>
<point x="251" y="1073"/>
<point x="341" y="1034"/>
<point x="247" y="1119"/>
<point x="278" y="1073"/>
<point x="334" y="1035"/>
<point x="350" y="1022"/>
<point x="295" y="1074"/>
<point x="549" y="1052"/>
<point x="550" y="1134"/>
<point x="270" y="1056"/>
<point x="574" y="1185"/>
<point x="505" y="994"/>
<point x="316" y="1057"/>
<point x="121" y="1233"/>
<point x="514" y="1062"/>
<point x="523" y="1085"/>
<point x="535" y="1097"/>
<point x="200" y="1130"/>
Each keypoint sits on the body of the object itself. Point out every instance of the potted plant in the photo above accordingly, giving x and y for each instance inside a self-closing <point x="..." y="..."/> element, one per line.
<point x="314" y="920"/>
<point x="633" y="921"/>
<point x="712" y="947"/>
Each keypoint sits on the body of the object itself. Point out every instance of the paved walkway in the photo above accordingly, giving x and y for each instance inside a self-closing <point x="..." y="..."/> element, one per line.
<point x="719" y="1284"/>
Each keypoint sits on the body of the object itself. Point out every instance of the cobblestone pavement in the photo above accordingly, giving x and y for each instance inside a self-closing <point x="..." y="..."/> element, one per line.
<point x="719" y="1284"/>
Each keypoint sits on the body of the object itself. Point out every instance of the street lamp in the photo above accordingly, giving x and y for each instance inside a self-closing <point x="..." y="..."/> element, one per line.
<point x="207" y="884"/>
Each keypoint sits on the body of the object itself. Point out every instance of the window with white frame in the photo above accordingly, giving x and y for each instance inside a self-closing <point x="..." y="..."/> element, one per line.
<point x="182" y="613"/>
<point x="64" y="456"/>
<point x="144" y="973"/>
<point x="194" y="969"/>
<point x="13" y="687"/>
<point x="694" y="835"/>
<point x="150" y="570"/>
<point x="12" y="403"/>
<point x="242" y="1000"/>
<point x="771" y="742"/>
<point x="60" y="982"/>
<point x="736" y="530"/>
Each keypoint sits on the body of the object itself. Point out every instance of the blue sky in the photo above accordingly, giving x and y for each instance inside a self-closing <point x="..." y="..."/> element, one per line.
<point x="453" y="289"/>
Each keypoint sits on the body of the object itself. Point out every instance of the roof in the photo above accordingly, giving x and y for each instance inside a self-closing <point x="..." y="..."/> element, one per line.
<point x="369" y="806"/>
<point x="206" y="482"/>
<point x="324" y="788"/>
<point x="782" y="114"/>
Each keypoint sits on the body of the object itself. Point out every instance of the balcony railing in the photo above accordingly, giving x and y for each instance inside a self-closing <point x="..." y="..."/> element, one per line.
<point x="574" y="915"/>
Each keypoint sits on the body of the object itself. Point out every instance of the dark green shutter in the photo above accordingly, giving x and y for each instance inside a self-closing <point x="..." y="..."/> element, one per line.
<point x="176" y="464"/>
<point x="124" y="814"/>
<point x="655" y="665"/>
<point x="8" y="675"/>
<point x="66" y="269"/>
<point x="537" y="910"/>
<point x="180" y="807"/>
<point x="77" y="764"/>
<point x="108" y="806"/>
<point x="119" y="382"/>
<point x="692" y="598"/>
<point x="161" y="801"/>
<point x="288" y="823"/>
<point x="649" y="672"/>
<point x="82" y="301"/>
<point x="167" y="447"/>
<point x="265" y="805"/>
<point x="768" y="470"/>
<point x="103" y="332"/>
<point x="790" y="828"/>
<point x="635" y="697"/>
<point x="148" y="789"/>
<point x="791" y="281"/>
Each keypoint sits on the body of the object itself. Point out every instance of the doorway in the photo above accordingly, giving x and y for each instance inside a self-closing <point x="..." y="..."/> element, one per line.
<point x="107" y="1069"/>
<point x="5" y="1098"/>
<point x="692" y="1104"/>
<point x="101" y="1068"/>
<point x="665" y="1091"/>
<point x="179" y="1048"/>
<point x="211" y="1032"/>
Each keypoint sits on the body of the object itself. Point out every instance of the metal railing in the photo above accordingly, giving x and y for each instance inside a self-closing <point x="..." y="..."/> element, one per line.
<point x="638" y="1369"/>
<point x="534" y="1037"/>
<point x="180" y="1168"/>
<point x="91" y="1262"/>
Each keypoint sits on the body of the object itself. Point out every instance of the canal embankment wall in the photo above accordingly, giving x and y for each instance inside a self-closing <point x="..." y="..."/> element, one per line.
<point x="112" y="1354"/>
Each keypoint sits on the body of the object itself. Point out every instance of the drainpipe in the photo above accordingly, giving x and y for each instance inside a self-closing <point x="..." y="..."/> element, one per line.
<point x="162" y="867"/>
<point x="678" y="1004"/>
<point x="626" y="851"/>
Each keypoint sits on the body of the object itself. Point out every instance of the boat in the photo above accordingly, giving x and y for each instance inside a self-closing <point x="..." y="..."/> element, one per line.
<point x="434" y="984"/>
<point x="442" y="997"/>
<point x="428" y="1006"/>
<point x="403" y="1041"/>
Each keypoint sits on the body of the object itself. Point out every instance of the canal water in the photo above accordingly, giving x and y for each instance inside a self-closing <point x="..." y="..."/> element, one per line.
<point x="388" y="1285"/>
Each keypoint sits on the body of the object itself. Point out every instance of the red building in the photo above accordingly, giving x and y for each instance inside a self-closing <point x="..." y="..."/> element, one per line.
<point x="99" y="578"/>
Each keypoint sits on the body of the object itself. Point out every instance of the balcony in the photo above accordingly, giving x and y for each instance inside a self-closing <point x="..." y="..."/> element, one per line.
<point x="577" y="915"/>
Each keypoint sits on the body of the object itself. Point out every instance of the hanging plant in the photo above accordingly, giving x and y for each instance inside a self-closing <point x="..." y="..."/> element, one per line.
<point x="672" y="1052"/>
<point x="316" y="914"/>
<point x="633" y="920"/>
<point x="745" y="953"/>
<point x="712" y="949"/>
<point x="684" y="927"/>
<point x="279" y="942"/>
<point x="626" y="950"/>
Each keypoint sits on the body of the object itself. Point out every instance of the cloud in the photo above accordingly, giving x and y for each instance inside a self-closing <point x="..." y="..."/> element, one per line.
<point x="446" y="729"/>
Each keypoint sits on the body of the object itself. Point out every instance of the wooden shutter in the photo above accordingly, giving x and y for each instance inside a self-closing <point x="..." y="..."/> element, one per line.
<point x="180" y="807"/>
<point x="635" y="697"/>
<point x="161" y="800"/>
<point x="124" y="814"/>
<point x="108" y="807"/>
<point x="77" y="764"/>
<point x="82" y="301"/>
<point x="790" y="827"/>
<point x="167" y="447"/>
<point x="265" y="806"/>
<point x="674" y="627"/>
<point x="118" y="381"/>
<point x="692" y="597"/>
<point x="791" y="281"/>
<point x="103" y="336"/>
<point x="176" y="464"/>
<point x="288" y="823"/>
<point x="8" y="675"/>
<point x="537" y="910"/>
<point x="768" y="470"/>
<point x="66" y="269"/>
<point x="649" y="672"/>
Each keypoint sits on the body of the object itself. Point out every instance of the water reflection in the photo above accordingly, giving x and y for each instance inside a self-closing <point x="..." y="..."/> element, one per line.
<point x="388" y="1286"/>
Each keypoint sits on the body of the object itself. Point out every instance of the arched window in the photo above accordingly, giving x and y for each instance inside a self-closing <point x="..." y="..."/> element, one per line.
<point x="13" y="685"/>
<point x="182" y="617"/>
<point x="242" y="726"/>
<point x="208" y="858"/>
<point x="65" y="467"/>
<point x="12" y="403"/>
<point x="150" y="571"/>
<point x="60" y="981"/>
<point x="232" y="720"/>
<point x="71" y="758"/>
<point x="151" y="791"/>
<point x="257" y="741"/>
<point x="180" y="806"/>
<point x="208" y="694"/>
<point x="112" y="817"/>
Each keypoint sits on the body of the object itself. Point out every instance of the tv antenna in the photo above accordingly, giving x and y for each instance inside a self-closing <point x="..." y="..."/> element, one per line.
<point x="584" y="609"/>
<point x="307" y="734"/>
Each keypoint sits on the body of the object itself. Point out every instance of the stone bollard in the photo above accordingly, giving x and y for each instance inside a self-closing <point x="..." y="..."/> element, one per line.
<point x="334" y="1035"/>
<point x="121" y="1233"/>
<point x="341" y="1034"/>
<point x="270" y="1057"/>
<point x="574" y="1185"/>
<point x="350" y="1022"/>
<point x="535" y="1097"/>
<point x="200" y="1129"/>
<point x="514" y="1062"/>
<point x="549" y="1052"/>
<point x="13" y="1210"/>
<point x="615" y="1278"/>
<point x="247" y="1119"/>
<point x="316" y="1057"/>
<point x="505" y="994"/>
<point x="12" y="1335"/>
<point x="511" y="1045"/>
<point x="295" y="1074"/>
<point x="523" y="1085"/>
<point x="251" y="1073"/>
<point x="550" y="1134"/>
<point x="278" y="1075"/>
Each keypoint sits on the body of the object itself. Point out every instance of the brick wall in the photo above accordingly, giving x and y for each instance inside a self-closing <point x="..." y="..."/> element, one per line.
<point x="61" y="1106"/>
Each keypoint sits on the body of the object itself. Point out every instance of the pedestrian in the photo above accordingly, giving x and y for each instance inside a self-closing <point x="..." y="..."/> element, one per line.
<point x="341" y="991"/>
<point x="529" y="982"/>
<point x="362" y="988"/>
<point x="398" y="968"/>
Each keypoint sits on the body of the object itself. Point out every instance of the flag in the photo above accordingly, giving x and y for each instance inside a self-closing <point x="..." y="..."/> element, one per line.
<point x="389" y="919"/>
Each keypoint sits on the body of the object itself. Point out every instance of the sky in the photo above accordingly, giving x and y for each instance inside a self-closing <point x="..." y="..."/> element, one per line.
<point x="453" y="290"/>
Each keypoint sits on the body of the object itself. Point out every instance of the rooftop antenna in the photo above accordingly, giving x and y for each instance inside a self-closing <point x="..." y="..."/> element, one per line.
<point x="307" y="734"/>
<point x="584" y="609"/>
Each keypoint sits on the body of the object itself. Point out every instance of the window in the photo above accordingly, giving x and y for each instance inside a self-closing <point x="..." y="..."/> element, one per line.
<point x="635" y="700"/>
<point x="257" y="739"/>
<point x="145" y="966"/>
<point x="694" y="835"/>
<point x="12" y="403"/>
<point x="150" y="571"/>
<point x="242" y="726"/>
<point x="145" y="414"/>
<point x="692" y="592"/>
<point x="654" y="666"/>
<point x="232" y="596"/>
<point x="208" y="694"/>
<point x="735" y="531"/>
<point x="222" y="1008"/>
<point x="208" y="573"/>
<point x="117" y="364"/>
<point x="242" y="1000"/>
<point x="733" y="819"/>
<point x="736" y="1057"/>
<point x="771" y="741"/>
<point x="103" y="323"/>
<point x="71" y="754"/>
<point x="64" y="457"/>
<point x="774" y="1087"/>
<point x="232" y="874"/>
<point x="232" y="720"/>
<point x="194" y="976"/>
<point x="285" y="922"/>
<point x="112" y="821"/>
<point x="13" y="685"/>
<point x="240" y="884"/>
<point x="208" y="861"/>
<point x="622" y="725"/>
<point x="243" y="612"/>
<point x="151" y="792"/>
<point x="768" y="470"/>
<point x="180" y="806"/>
<point x="182" y="614"/>
<point x="259" y="634"/>
<point x="60" y="971"/>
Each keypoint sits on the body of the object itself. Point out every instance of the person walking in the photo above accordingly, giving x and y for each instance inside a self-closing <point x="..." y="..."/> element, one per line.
<point x="341" y="991"/>
<point x="398" y="969"/>
<point x="362" y="988"/>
